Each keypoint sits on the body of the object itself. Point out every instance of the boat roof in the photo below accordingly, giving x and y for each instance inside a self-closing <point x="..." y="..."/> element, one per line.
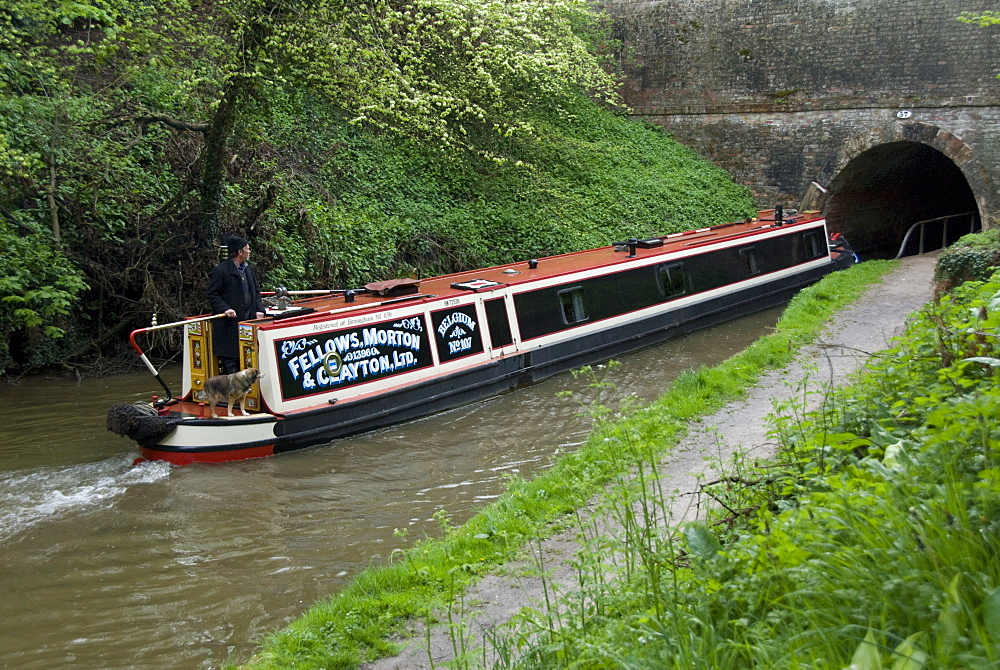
<point x="334" y="304"/>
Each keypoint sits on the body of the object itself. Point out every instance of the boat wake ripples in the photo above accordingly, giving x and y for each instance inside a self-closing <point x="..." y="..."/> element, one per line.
<point x="28" y="498"/>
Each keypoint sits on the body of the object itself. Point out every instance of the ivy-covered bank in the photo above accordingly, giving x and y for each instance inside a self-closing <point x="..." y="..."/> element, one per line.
<point x="355" y="625"/>
<point x="349" y="142"/>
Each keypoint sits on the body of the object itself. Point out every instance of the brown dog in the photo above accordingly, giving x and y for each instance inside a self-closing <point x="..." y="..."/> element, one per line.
<point x="231" y="388"/>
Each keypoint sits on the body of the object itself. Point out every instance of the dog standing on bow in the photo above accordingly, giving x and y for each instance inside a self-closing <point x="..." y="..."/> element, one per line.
<point x="231" y="388"/>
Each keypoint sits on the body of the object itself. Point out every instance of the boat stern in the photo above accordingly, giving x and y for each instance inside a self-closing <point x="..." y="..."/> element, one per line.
<point x="207" y="440"/>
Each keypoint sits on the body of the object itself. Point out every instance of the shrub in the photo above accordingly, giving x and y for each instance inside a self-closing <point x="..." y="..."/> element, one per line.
<point x="970" y="258"/>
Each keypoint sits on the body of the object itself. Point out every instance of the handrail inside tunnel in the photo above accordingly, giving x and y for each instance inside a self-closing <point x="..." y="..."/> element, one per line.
<point x="922" y="225"/>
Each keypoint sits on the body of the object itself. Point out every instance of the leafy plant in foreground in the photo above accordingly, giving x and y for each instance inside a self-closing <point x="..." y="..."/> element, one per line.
<point x="872" y="540"/>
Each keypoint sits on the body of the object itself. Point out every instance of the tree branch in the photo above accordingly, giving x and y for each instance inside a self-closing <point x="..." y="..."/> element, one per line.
<point x="25" y="230"/>
<point x="176" y="124"/>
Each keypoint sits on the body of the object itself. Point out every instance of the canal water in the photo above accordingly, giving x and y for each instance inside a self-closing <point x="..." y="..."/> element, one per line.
<point x="106" y="564"/>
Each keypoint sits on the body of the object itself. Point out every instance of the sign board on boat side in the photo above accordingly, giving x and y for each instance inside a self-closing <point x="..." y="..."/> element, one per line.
<point x="323" y="362"/>
<point x="457" y="333"/>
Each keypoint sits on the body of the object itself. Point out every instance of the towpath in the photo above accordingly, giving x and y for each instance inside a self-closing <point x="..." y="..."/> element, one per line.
<point x="863" y="328"/>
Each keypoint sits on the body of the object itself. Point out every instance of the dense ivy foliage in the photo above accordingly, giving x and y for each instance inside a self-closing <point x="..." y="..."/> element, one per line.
<point x="972" y="257"/>
<point x="985" y="19"/>
<point x="348" y="142"/>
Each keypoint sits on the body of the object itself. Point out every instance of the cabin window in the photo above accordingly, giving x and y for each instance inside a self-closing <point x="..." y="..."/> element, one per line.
<point x="571" y="301"/>
<point x="748" y="258"/>
<point x="498" y="322"/>
<point x="814" y="244"/>
<point x="671" y="280"/>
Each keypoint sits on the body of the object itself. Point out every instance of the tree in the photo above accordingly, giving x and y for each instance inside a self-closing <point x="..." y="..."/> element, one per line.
<point x="448" y="70"/>
<point x="451" y="71"/>
<point x="131" y="130"/>
<point x="72" y="176"/>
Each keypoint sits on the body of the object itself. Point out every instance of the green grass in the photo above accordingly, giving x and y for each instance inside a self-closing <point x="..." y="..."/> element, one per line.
<point x="870" y="541"/>
<point x="355" y="625"/>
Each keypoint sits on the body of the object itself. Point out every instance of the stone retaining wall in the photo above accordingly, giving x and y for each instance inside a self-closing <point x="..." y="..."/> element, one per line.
<point x="784" y="93"/>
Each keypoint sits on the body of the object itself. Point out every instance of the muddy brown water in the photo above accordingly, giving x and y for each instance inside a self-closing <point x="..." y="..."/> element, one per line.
<point x="104" y="564"/>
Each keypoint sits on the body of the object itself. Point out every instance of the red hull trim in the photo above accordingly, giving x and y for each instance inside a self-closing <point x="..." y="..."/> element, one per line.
<point x="222" y="456"/>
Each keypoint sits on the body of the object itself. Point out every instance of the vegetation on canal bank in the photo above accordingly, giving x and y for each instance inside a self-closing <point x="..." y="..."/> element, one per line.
<point x="870" y="540"/>
<point x="355" y="625"/>
<point x="348" y="142"/>
<point x="972" y="257"/>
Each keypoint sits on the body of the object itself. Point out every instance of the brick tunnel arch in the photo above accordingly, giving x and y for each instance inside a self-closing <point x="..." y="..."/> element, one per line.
<point x="890" y="183"/>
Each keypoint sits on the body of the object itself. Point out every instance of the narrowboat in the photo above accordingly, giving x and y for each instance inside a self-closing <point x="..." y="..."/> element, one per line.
<point x="343" y="362"/>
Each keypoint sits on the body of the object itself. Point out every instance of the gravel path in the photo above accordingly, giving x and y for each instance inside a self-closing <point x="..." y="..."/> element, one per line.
<point x="862" y="329"/>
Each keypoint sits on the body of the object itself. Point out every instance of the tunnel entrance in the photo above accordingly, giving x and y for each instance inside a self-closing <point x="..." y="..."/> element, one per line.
<point x="879" y="194"/>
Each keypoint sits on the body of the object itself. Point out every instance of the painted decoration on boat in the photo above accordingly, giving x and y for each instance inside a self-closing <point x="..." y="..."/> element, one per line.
<point x="319" y="363"/>
<point x="457" y="332"/>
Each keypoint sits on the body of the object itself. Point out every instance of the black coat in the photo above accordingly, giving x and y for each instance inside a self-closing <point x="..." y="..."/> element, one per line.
<point x="225" y="291"/>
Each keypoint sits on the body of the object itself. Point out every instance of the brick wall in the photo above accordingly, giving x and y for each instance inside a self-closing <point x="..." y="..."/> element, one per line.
<point x="784" y="93"/>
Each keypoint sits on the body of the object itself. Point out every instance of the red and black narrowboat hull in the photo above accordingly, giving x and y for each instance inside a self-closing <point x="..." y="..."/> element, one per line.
<point x="340" y="365"/>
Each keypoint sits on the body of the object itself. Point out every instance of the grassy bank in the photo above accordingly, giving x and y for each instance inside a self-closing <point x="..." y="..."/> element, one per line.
<point x="354" y="625"/>
<point x="870" y="541"/>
